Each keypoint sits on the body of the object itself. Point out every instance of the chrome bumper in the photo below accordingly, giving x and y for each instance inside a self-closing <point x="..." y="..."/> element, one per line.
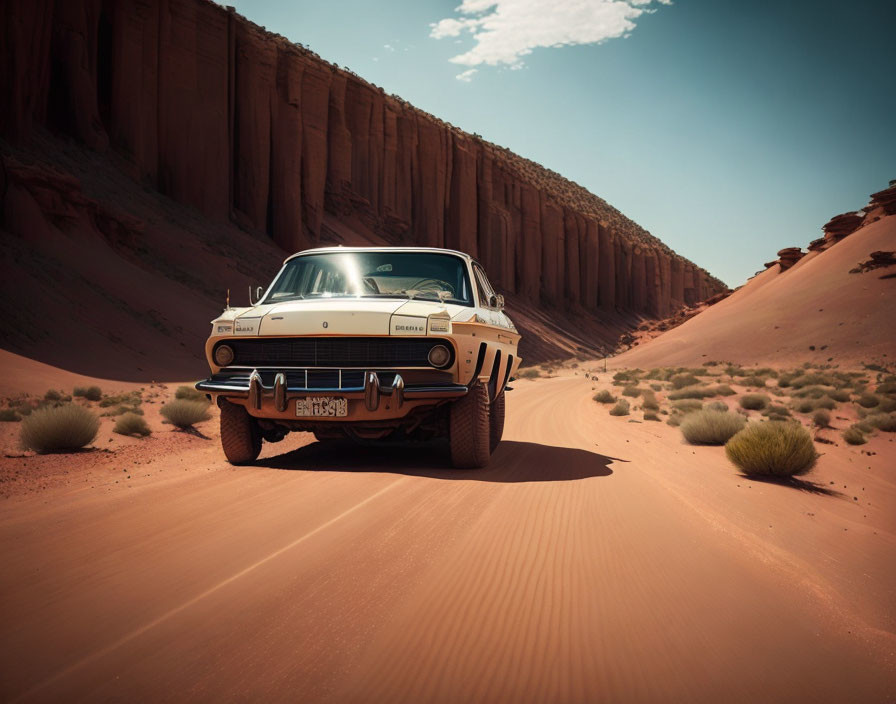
<point x="254" y="391"/>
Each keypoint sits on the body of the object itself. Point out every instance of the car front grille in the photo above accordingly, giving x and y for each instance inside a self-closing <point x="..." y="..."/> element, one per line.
<point x="335" y="352"/>
<point x="337" y="378"/>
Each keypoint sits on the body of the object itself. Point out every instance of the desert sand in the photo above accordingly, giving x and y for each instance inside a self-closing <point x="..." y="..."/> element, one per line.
<point x="814" y="312"/>
<point x="596" y="559"/>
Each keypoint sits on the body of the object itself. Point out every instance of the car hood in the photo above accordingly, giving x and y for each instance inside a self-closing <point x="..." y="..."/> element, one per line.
<point x="355" y="316"/>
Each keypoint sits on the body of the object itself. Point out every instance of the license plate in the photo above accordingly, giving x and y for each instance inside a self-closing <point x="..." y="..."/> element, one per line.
<point x="321" y="406"/>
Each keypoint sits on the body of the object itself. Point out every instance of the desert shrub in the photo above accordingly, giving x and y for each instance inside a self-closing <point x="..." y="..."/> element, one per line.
<point x="656" y="387"/>
<point x="841" y="395"/>
<point x="9" y="415"/>
<point x="754" y="381"/>
<point x="775" y="409"/>
<point x="79" y="391"/>
<point x="688" y="405"/>
<point x="131" y="398"/>
<point x="659" y="374"/>
<point x="821" y="418"/>
<point x="711" y="427"/>
<point x="621" y="408"/>
<point x="853" y="436"/>
<point x="826" y="402"/>
<point x="674" y="420"/>
<point x="864" y="426"/>
<point x="650" y="403"/>
<point x="119" y="410"/>
<point x="776" y="448"/>
<point x="723" y="390"/>
<point x="888" y="387"/>
<point x="785" y="379"/>
<point x="867" y="400"/>
<point x="735" y="370"/>
<point x="754" y="402"/>
<point x="185" y="414"/>
<point x="631" y="391"/>
<point x="883" y="421"/>
<point x="814" y="378"/>
<point x="811" y="392"/>
<point x="190" y="394"/>
<point x="52" y="395"/>
<point x="131" y="424"/>
<point x="766" y="371"/>
<point x="679" y="381"/>
<point x="528" y="373"/>
<point x="604" y="396"/>
<point x="691" y="392"/>
<point x="650" y="415"/>
<point x="54" y="429"/>
<point x="93" y="393"/>
<point x="717" y="406"/>
<point x="887" y="405"/>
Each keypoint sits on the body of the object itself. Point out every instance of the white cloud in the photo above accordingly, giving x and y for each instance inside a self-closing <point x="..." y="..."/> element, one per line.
<point x="507" y="30"/>
<point x="467" y="75"/>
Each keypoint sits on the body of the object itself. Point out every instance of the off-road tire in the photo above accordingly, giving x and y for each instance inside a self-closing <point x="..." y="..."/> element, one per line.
<point x="240" y="434"/>
<point x="469" y="429"/>
<point x="496" y="421"/>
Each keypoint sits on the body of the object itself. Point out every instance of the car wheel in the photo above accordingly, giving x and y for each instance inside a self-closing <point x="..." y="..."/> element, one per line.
<point x="496" y="421"/>
<point x="469" y="429"/>
<point x="240" y="434"/>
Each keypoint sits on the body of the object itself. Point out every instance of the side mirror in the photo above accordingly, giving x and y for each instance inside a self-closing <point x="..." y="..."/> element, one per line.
<point x="496" y="301"/>
<point x="256" y="297"/>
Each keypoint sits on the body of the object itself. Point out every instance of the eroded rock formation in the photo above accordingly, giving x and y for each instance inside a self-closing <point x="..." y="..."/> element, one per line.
<point x="245" y="126"/>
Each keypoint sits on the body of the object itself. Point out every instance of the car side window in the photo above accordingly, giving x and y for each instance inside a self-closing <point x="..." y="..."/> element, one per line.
<point x="483" y="287"/>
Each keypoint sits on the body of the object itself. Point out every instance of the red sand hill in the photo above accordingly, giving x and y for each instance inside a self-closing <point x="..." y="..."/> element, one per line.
<point x="214" y="112"/>
<point x="832" y="305"/>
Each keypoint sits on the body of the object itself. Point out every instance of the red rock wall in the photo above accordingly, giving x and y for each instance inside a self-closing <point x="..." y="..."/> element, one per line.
<point x="244" y="126"/>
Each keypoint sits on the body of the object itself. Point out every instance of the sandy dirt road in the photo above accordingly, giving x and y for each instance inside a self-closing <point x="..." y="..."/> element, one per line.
<point x="596" y="559"/>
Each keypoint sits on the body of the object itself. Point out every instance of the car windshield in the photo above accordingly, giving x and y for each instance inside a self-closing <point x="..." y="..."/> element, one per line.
<point x="374" y="274"/>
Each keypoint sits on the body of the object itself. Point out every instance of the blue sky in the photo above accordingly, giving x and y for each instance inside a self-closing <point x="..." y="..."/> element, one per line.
<point x="728" y="128"/>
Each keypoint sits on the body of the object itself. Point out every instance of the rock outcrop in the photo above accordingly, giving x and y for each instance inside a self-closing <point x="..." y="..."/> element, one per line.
<point x="789" y="256"/>
<point x="840" y="226"/>
<point x="247" y="127"/>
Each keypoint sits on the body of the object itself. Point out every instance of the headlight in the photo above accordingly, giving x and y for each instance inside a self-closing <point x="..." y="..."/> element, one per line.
<point x="223" y="355"/>
<point x="439" y="356"/>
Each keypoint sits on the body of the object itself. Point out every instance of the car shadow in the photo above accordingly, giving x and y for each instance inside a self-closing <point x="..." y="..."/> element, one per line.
<point x="512" y="461"/>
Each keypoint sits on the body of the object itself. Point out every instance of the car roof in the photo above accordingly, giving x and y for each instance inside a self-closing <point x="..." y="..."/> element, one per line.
<point x="340" y="248"/>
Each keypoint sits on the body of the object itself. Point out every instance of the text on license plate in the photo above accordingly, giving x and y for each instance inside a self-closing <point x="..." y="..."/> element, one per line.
<point x="317" y="406"/>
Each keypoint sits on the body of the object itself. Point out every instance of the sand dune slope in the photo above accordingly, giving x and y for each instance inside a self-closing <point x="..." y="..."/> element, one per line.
<point x="816" y="311"/>
<point x="596" y="559"/>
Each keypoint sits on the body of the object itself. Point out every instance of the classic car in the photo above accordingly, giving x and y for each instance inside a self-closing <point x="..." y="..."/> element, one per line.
<point x="366" y="343"/>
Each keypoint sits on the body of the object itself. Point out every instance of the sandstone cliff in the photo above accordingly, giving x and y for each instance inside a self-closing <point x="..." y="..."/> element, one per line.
<point x="247" y="127"/>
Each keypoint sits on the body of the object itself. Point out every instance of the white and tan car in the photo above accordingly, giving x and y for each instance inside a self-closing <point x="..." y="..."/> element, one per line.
<point x="366" y="343"/>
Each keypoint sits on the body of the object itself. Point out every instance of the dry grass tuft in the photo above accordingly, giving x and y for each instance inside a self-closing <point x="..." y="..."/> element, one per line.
<point x="853" y="436"/>
<point x="604" y="396"/>
<point x="91" y="393"/>
<point x="754" y="402"/>
<point x="185" y="414"/>
<point x="60" y="428"/>
<point x="131" y="424"/>
<point x="621" y="408"/>
<point x="776" y="448"/>
<point x="188" y="393"/>
<point x="883" y="421"/>
<point x="821" y="418"/>
<point x="711" y="427"/>
<point x="688" y="405"/>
